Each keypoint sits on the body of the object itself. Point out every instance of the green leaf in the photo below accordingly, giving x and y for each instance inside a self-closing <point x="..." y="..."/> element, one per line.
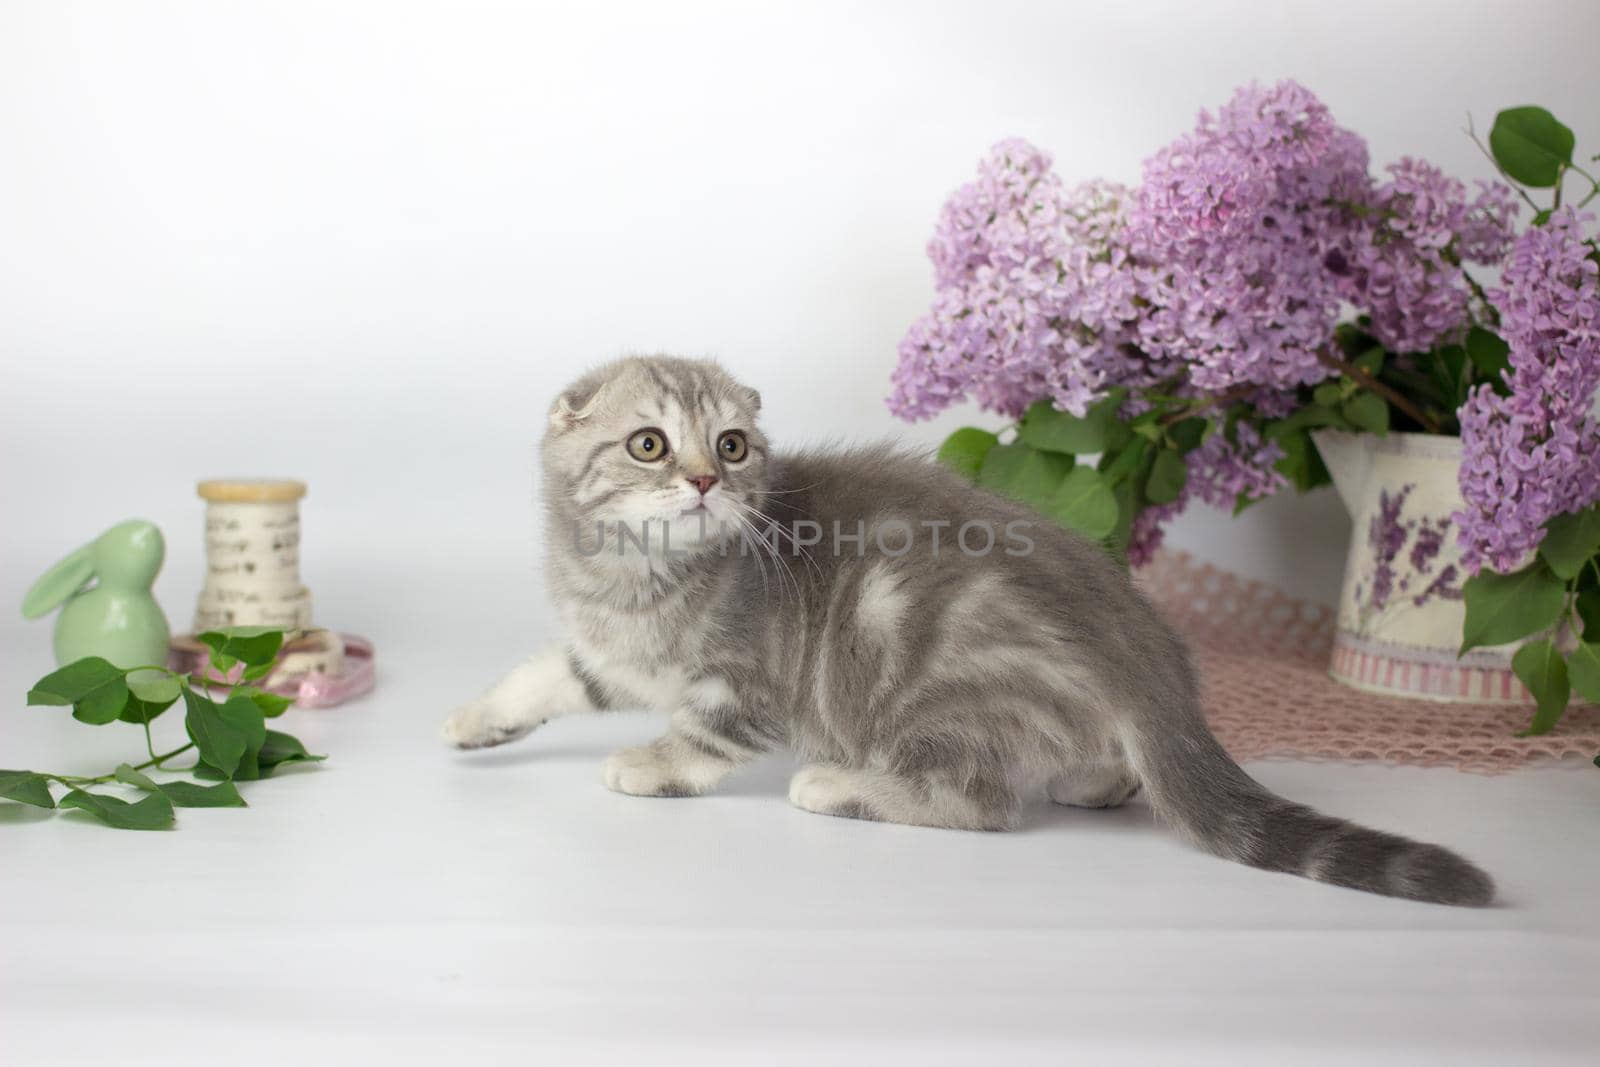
<point x="1367" y="411"/>
<point x="1084" y="502"/>
<point x="271" y="704"/>
<point x="26" y="787"/>
<point x="1024" y="473"/>
<point x="148" y="699"/>
<point x="1167" y="478"/>
<point x="281" y="749"/>
<point x="258" y="672"/>
<point x="1328" y="394"/>
<point x="1117" y="539"/>
<point x="251" y="645"/>
<point x="1371" y="360"/>
<point x="1531" y="146"/>
<point x="104" y="705"/>
<point x="1187" y="434"/>
<point x="220" y="742"/>
<point x="278" y="750"/>
<point x="133" y="776"/>
<point x="1293" y="464"/>
<point x="242" y="712"/>
<point x="1584" y="669"/>
<point x="1506" y="607"/>
<point x="1128" y="488"/>
<point x="1490" y="354"/>
<point x="1544" y="671"/>
<point x="1589" y="613"/>
<point x="1570" y="541"/>
<point x="963" y="451"/>
<point x="1098" y="430"/>
<point x="1448" y="367"/>
<point x="1308" y="417"/>
<point x="185" y="794"/>
<point x="1148" y="426"/>
<point x="1301" y="463"/>
<point x="154" y="812"/>
<point x="191" y="795"/>
<point x="96" y="689"/>
<point x="1122" y="463"/>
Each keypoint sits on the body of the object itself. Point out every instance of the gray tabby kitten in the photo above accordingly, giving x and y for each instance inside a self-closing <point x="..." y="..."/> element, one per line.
<point x="927" y="684"/>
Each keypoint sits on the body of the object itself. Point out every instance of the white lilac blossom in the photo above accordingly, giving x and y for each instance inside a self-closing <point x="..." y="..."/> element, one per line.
<point x="1535" y="453"/>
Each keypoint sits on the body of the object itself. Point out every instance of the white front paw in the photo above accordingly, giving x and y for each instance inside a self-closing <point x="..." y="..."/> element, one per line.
<point x="645" y="772"/>
<point x="823" y="789"/>
<point x="479" y="724"/>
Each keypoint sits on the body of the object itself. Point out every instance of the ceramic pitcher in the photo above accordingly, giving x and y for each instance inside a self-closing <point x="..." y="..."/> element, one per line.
<point x="1400" y="612"/>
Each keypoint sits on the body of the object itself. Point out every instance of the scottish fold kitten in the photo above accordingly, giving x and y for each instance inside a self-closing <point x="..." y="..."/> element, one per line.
<point x="937" y="654"/>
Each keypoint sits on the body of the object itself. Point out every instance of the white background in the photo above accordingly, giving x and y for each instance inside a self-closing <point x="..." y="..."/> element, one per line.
<point x="363" y="244"/>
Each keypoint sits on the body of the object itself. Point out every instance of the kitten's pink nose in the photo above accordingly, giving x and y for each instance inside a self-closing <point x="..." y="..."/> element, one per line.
<point x="703" y="482"/>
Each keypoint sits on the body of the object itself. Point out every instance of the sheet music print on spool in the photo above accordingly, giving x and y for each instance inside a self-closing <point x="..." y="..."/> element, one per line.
<point x="252" y="538"/>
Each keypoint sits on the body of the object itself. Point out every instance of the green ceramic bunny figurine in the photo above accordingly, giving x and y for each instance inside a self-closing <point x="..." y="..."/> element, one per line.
<point x="116" y="619"/>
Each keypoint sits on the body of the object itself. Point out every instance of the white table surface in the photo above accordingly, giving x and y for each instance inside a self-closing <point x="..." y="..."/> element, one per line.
<point x="432" y="906"/>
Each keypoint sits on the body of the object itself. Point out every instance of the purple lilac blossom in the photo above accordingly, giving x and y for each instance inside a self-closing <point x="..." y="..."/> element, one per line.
<point x="1404" y="268"/>
<point x="1226" y="268"/>
<point x="1535" y="454"/>
<point x="1232" y="224"/>
<point x="1035" y="295"/>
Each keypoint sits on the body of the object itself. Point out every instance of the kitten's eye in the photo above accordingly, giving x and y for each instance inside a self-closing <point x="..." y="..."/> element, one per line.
<point x="732" y="446"/>
<point x="647" y="445"/>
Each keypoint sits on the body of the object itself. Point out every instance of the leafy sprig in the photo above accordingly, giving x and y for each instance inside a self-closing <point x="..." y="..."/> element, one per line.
<point x="1555" y="599"/>
<point x="230" y="738"/>
<point x="1559" y="590"/>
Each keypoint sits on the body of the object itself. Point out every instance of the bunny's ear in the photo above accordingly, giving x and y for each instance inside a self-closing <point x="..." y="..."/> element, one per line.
<point x="58" y="583"/>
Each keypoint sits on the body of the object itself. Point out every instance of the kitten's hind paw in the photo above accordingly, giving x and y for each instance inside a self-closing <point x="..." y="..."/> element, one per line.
<point x="478" y="725"/>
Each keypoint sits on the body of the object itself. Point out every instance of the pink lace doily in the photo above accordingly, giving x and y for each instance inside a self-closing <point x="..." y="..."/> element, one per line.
<point x="1263" y="659"/>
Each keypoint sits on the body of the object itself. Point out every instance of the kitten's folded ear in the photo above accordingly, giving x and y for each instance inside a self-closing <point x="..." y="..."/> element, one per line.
<point x="573" y="406"/>
<point x="751" y="397"/>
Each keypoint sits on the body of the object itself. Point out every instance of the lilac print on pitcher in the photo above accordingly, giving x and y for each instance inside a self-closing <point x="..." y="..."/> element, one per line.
<point x="1400" y="612"/>
<point x="1407" y="570"/>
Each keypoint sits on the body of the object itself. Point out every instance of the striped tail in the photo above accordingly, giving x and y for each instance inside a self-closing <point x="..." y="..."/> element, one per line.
<point x="1194" y="784"/>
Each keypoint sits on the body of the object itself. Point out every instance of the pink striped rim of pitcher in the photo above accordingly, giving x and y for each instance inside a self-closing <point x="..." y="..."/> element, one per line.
<point x="1421" y="673"/>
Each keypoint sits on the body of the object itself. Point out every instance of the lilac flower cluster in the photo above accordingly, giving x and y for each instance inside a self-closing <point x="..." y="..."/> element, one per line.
<point x="1035" y="294"/>
<point x="1231" y="227"/>
<point x="1535" y="454"/>
<point x="1224" y="270"/>
<point x="1404" y="268"/>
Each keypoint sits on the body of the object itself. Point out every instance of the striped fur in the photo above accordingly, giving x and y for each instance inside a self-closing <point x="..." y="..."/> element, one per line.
<point x="932" y="687"/>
